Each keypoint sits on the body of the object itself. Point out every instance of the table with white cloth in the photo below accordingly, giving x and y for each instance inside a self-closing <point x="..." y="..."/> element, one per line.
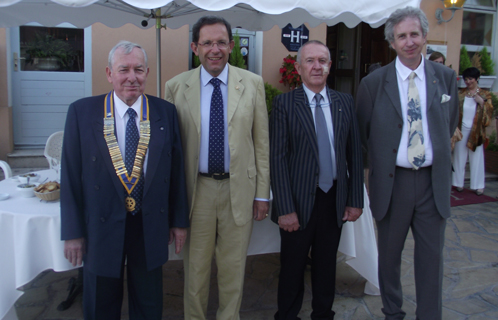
<point x="30" y="243"/>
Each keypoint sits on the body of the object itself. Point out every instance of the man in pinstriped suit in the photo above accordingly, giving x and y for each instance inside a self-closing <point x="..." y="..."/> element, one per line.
<point x="317" y="181"/>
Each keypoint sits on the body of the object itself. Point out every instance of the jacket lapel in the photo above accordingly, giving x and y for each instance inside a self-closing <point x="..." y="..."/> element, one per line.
<point x="235" y="90"/>
<point x="156" y="145"/>
<point x="193" y="98"/>
<point x="336" y="112"/>
<point x="98" y="130"/>
<point x="431" y="84"/>
<point x="391" y="88"/>
<point x="305" y="117"/>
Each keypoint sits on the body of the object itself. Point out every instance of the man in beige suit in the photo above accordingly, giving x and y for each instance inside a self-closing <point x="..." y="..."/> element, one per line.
<point x="224" y="129"/>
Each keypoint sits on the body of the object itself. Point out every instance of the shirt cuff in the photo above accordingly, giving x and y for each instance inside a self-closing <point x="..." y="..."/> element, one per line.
<point x="261" y="199"/>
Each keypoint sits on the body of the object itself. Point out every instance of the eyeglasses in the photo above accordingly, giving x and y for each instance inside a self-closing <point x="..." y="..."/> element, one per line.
<point x="210" y="44"/>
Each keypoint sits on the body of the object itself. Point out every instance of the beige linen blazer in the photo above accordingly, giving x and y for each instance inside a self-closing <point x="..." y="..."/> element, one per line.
<point x="247" y="136"/>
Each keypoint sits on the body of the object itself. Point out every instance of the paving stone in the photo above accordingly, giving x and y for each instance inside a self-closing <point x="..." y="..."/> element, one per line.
<point x="474" y="280"/>
<point x="477" y="241"/>
<point x="374" y="305"/>
<point x="30" y="312"/>
<point x="361" y="313"/>
<point x="37" y="296"/>
<point x="456" y="254"/>
<point x="452" y="315"/>
<point x="450" y="234"/>
<point x="465" y="226"/>
<point x="483" y="256"/>
<point x="468" y="306"/>
<point x="489" y="298"/>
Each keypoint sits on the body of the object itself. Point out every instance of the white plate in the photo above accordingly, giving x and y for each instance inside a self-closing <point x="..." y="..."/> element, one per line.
<point x="4" y="196"/>
<point x="15" y="178"/>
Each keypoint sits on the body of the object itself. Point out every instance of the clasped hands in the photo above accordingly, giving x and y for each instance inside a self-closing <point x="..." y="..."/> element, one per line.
<point x="290" y="222"/>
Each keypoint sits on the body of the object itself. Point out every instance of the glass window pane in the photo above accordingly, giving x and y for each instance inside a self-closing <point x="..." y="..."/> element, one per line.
<point x="52" y="49"/>
<point x="477" y="28"/>
<point x="482" y="3"/>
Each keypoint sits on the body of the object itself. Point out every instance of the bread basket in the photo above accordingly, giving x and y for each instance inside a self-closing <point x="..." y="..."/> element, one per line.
<point x="49" y="196"/>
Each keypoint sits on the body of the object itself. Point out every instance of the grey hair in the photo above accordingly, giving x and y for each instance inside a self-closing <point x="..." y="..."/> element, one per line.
<point x="298" y="58"/>
<point x="400" y="15"/>
<point x="127" y="47"/>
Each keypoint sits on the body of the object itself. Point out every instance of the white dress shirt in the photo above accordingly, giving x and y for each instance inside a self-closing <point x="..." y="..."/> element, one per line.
<point x="402" y="74"/>
<point x="325" y="103"/>
<point x="206" y="93"/>
<point x="121" y="119"/>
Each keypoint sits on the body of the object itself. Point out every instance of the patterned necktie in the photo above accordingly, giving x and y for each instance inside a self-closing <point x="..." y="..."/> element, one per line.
<point x="416" y="149"/>
<point x="216" y="160"/>
<point x="132" y="136"/>
<point x="325" y="177"/>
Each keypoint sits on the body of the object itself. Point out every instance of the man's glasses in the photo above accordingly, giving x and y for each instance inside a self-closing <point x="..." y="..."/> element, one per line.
<point x="210" y="44"/>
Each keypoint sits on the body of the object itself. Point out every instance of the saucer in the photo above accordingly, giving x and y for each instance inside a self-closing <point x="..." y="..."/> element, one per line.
<point x="4" y="196"/>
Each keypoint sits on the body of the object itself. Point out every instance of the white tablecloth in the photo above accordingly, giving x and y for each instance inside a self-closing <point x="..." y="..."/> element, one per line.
<point x="30" y="243"/>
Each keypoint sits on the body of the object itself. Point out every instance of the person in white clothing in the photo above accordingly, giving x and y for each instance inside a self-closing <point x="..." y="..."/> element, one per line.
<point x="476" y="110"/>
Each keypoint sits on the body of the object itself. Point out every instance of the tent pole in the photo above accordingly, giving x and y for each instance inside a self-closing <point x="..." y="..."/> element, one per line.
<point x="158" y="50"/>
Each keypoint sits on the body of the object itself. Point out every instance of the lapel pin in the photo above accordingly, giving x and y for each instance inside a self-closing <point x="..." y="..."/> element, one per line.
<point x="434" y="81"/>
<point x="236" y="87"/>
<point x="162" y="128"/>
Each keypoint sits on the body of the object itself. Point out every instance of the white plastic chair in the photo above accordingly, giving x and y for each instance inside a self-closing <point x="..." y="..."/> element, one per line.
<point x="6" y="169"/>
<point x="53" y="150"/>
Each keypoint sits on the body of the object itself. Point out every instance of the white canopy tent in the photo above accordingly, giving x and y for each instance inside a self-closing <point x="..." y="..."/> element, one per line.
<point x="254" y="15"/>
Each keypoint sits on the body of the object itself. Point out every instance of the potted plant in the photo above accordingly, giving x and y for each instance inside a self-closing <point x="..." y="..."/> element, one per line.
<point x="480" y="60"/>
<point x="49" y="53"/>
<point x="290" y="76"/>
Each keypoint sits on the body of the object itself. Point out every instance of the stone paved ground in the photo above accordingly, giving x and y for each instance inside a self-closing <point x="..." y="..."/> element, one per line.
<point x="470" y="282"/>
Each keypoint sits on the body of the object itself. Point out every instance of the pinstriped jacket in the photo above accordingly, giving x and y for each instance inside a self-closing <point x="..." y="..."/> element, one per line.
<point x="294" y="155"/>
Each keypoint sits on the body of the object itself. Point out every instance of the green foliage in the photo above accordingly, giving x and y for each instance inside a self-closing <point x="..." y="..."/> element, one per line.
<point x="494" y="101"/>
<point x="492" y="146"/>
<point x="197" y="61"/>
<point x="236" y="58"/>
<point x="464" y="60"/>
<point x="487" y="63"/>
<point x="47" y="46"/>
<point x="270" y="92"/>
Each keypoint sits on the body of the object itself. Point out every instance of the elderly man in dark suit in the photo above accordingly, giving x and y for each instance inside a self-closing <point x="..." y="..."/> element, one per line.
<point x="123" y="193"/>
<point x="317" y="181"/>
<point x="407" y="112"/>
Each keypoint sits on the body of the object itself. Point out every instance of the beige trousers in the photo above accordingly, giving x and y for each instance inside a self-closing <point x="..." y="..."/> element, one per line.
<point x="213" y="232"/>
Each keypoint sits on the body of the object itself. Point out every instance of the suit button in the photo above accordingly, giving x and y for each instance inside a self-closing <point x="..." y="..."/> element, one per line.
<point x="169" y="153"/>
<point x="165" y="179"/>
<point x="102" y="219"/>
<point x="97" y="187"/>
<point x="391" y="175"/>
<point x="394" y="150"/>
<point x="162" y="210"/>
<point x="94" y="158"/>
<point x="400" y="126"/>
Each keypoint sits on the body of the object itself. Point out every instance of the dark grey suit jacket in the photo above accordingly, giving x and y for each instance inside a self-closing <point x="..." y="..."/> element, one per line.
<point x="294" y="155"/>
<point x="379" y="115"/>
<point x="92" y="196"/>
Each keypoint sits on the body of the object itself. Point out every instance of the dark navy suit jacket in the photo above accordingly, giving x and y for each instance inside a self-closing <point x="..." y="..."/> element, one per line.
<point x="294" y="164"/>
<point x="92" y="196"/>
